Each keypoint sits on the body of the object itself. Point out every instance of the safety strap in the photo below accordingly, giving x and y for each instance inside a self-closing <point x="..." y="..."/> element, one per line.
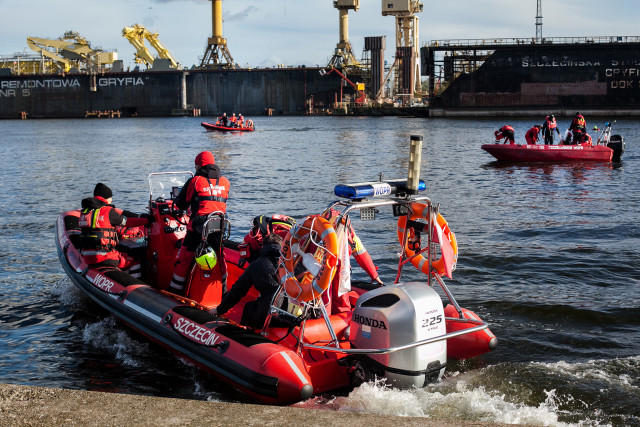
<point x="197" y="198"/>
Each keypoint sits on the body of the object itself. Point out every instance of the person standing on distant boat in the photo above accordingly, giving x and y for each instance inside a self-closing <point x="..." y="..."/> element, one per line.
<point x="532" y="134"/>
<point x="579" y="128"/>
<point x="205" y="193"/>
<point x="507" y="133"/>
<point x="549" y="126"/>
<point x="224" y="119"/>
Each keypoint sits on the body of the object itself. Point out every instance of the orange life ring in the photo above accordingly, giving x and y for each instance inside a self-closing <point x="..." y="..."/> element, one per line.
<point x="419" y="211"/>
<point x="316" y="231"/>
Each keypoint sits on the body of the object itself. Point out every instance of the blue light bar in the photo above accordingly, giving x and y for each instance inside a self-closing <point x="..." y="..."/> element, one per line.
<point x="365" y="190"/>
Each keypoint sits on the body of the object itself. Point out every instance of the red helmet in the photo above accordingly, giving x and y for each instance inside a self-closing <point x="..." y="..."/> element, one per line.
<point x="205" y="158"/>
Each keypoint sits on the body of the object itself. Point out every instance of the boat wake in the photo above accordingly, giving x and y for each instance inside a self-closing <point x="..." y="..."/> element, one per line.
<point x="502" y="394"/>
<point x="452" y="399"/>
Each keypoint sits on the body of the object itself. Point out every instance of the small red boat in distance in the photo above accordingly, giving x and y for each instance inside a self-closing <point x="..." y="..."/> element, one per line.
<point x="215" y="127"/>
<point x="608" y="148"/>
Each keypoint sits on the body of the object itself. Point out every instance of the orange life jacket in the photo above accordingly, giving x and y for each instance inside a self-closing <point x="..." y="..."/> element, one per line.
<point x="98" y="238"/>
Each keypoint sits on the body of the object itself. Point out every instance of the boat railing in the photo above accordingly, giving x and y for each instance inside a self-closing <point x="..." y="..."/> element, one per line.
<point x="481" y="325"/>
<point x="531" y="41"/>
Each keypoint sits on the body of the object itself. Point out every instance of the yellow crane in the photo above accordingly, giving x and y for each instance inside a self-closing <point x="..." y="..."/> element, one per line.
<point x="137" y="34"/>
<point x="71" y="50"/>
<point x="343" y="56"/>
<point x="217" y="54"/>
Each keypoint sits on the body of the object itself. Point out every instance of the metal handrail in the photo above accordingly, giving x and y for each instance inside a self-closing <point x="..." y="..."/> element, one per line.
<point x="532" y="41"/>
<point x="400" y="347"/>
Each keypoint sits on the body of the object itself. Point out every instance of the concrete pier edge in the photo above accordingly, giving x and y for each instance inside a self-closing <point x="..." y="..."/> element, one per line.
<point x="39" y="406"/>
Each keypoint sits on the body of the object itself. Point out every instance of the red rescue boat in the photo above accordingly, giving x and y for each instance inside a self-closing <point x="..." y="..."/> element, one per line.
<point x="220" y="128"/>
<point x="549" y="153"/>
<point x="402" y="331"/>
<point x="607" y="148"/>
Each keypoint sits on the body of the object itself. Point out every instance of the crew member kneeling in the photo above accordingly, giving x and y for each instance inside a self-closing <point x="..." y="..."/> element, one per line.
<point x="263" y="275"/>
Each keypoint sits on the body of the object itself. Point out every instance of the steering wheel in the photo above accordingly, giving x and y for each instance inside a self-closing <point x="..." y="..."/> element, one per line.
<point x="178" y="214"/>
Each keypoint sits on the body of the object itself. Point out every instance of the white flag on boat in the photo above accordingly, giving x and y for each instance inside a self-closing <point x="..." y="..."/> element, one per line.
<point x="344" y="274"/>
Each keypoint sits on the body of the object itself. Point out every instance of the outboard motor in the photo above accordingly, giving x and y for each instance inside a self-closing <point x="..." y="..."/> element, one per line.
<point x="393" y="316"/>
<point x="616" y="143"/>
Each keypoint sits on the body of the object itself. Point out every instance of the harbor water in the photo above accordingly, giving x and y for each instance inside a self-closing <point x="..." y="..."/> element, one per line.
<point x="549" y="256"/>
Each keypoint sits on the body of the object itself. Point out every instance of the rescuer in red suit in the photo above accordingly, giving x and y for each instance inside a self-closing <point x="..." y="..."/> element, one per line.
<point x="579" y="128"/>
<point x="507" y="133"/>
<point x="98" y="234"/>
<point x="205" y="193"/>
<point x="264" y="226"/>
<point x="532" y="134"/>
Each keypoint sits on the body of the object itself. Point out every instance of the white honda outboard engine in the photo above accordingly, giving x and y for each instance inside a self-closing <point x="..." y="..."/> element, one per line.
<point x="393" y="316"/>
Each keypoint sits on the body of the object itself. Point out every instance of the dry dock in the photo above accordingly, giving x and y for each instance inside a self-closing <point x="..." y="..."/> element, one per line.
<point x="38" y="406"/>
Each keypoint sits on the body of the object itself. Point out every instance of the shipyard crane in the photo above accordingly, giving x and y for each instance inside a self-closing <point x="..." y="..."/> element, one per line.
<point x="137" y="34"/>
<point x="217" y="54"/>
<point x="406" y="44"/>
<point x="343" y="56"/>
<point x="71" y="50"/>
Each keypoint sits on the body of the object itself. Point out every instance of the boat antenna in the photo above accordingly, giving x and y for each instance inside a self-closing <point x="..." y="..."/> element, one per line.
<point x="415" y="161"/>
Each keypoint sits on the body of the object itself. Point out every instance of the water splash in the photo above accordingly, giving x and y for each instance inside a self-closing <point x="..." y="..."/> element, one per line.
<point x="108" y="335"/>
<point x="69" y="295"/>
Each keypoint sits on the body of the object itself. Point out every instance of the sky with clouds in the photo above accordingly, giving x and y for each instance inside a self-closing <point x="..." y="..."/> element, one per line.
<point x="299" y="32"/>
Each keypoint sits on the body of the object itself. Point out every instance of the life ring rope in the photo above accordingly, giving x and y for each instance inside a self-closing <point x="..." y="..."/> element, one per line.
<point x="313" y="233"/>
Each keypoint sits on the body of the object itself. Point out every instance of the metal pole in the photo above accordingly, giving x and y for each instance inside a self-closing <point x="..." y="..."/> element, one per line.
<point x="415" y="161"/>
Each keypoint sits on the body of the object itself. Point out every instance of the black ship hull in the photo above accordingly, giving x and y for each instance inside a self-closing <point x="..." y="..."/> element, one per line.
<point x="593" y="78"/>
<point x="166" y="93"/>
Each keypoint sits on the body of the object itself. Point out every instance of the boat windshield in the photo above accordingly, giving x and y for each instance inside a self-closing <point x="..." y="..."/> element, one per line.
<point x="167" y="184"/>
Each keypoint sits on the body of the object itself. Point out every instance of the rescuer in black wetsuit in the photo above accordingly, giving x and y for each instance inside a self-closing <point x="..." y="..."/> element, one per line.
<point x="261" y="274"/>
<point x="547" y="129"/>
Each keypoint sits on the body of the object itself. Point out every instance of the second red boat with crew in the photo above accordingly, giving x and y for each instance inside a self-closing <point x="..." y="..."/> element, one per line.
<point x="607" y="148"/>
